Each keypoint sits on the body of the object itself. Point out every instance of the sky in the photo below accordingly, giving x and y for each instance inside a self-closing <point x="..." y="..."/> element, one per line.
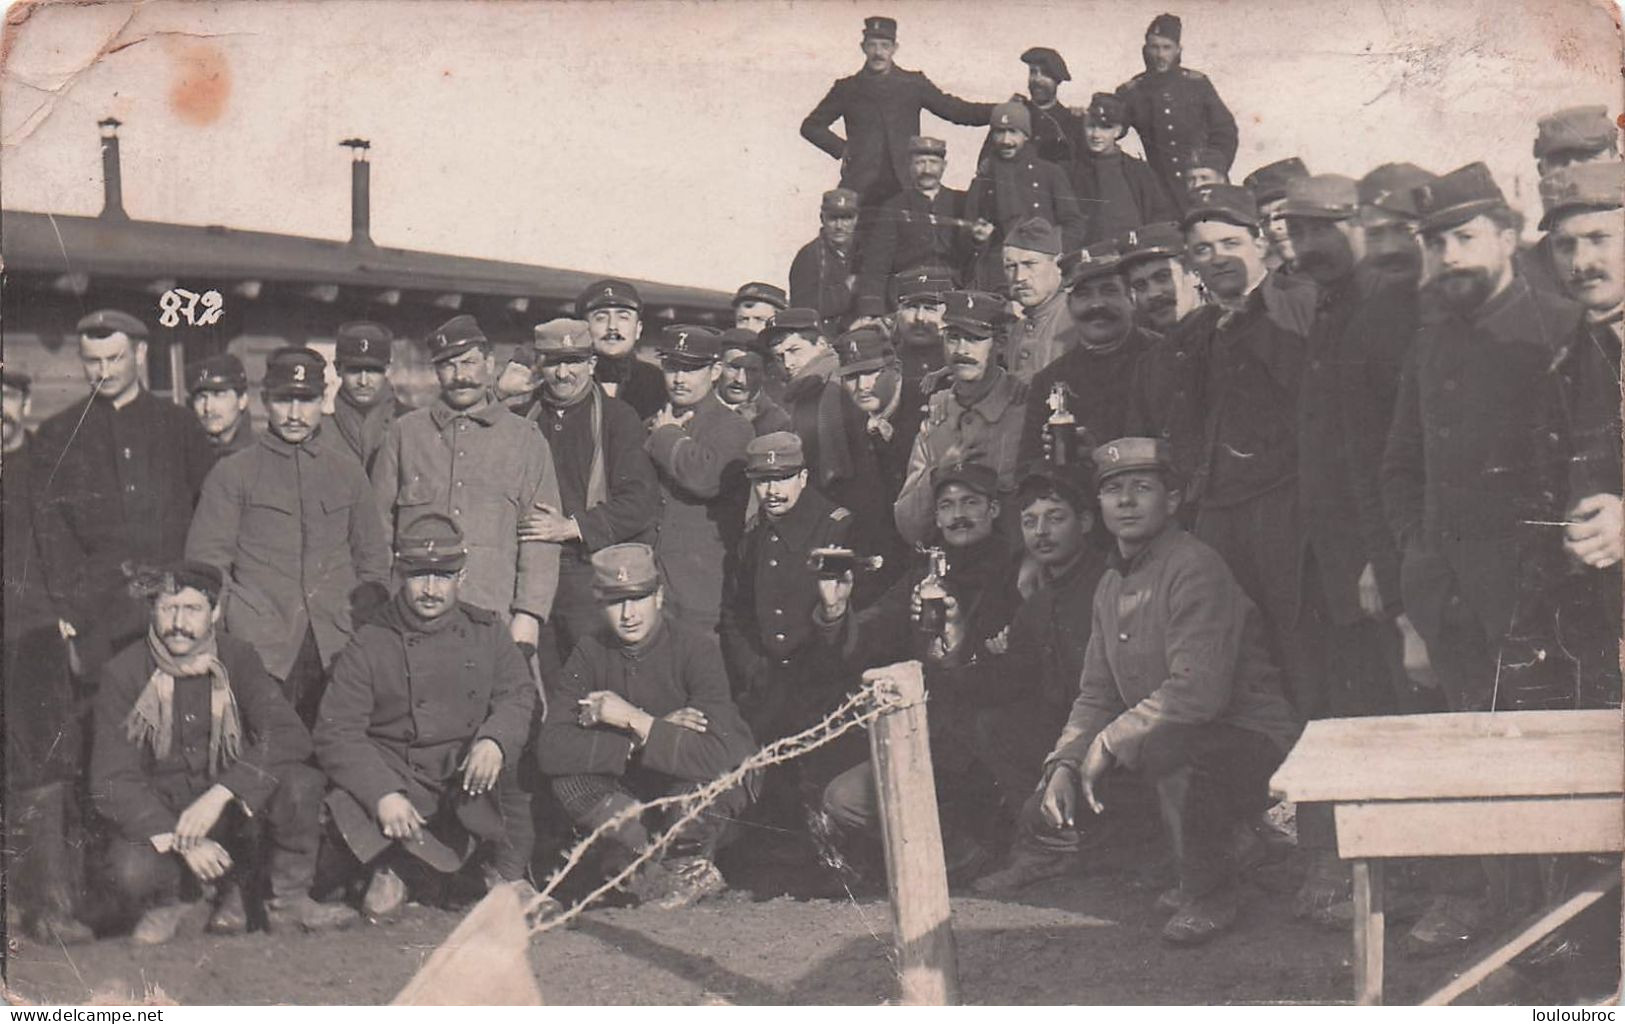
<point x="661" y="139"/>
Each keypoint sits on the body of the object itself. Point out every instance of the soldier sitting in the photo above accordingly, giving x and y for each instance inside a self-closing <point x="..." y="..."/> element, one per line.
<point x="422" y="724"/>
<point x="643" y="711"/>
<point x="193" y="742"/>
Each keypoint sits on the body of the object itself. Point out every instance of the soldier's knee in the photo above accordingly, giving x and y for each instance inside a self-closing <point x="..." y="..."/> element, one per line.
<point x="850" y="798"/>
<point x="138" y="872"/>
<point x="298" y="795"/>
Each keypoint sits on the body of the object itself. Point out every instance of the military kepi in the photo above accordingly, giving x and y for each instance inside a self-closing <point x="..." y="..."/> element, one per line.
<point x="106" y="322"/>
<point x="363" y="344"/>
<point x="1230" y="203"/>
<point x="294" y="371"/>
<point x="1322" y="197"/>
<point x="563" y="340"/>
<point x="624" y="570"/>
<point x="454" y="337"/>
<point x="880" y="27"/>
<point x="978" y="476"/>
<point x="1586" y="129"/>
<point x="972" y="313"/>
<point x="1593" y="186"/>
<point x="432" y="541"/>
<point x="200" y="576"/>
<point x="690" y="346"/>
<point x="608" y="294"/>
<point x="863" y="350"/>
<point x="223" y="372"/>
<point x="1131" y="454"/>
<point x="1457" y="197"/>
<point x="774" y="456"/>
<point x="839" y="202"/>
<point x="1034" y="234"/>
<point x="1150" y="241"/>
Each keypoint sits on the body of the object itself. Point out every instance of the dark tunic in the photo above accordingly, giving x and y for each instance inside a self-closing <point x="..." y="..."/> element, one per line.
<point x="1176" y="112"/>
<point x="632" y="494"/>
<point x="1119" y="192"/>
<point x="821" y="278"/>
<point x="1101" y="386"/>
<point x="125" y="484"/>
<point x="144" y="793"/>
<point x="909" y="232"/>
<point x="638" y="384"/>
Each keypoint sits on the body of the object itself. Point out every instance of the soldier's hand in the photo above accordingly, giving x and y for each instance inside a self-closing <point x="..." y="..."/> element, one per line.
<point x="200" y="817"/>
<point x="1370" y="596"/>
<point x="835" y="596"/>
<point x="1000" y="642"/>
<point x="692" y="719"/>
<point x="665" y="417"/>
<point x="546" y="523"/>
<point x="1060" y="803"/>
<point x="207" y="859"/>
<point x="953" y="625"/>
<point x="981" y="231"/>
<point x="481" y="767"/>
<point x="398" y="818"/>
<point x="615" y="710"/>
<point x="1418" y="667"/>
<point x="1597" y="537"/>
<point x="65" y="628"/>
<point x="1096" y="763"/>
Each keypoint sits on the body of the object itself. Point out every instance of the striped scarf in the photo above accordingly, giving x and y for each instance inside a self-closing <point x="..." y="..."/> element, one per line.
<point x="152" y="719"/>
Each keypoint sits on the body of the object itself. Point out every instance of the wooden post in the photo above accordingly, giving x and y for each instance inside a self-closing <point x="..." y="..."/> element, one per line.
<point x="900" y="753"/>
<point x="485" y="961"/>
<point x="1370" y="928"/>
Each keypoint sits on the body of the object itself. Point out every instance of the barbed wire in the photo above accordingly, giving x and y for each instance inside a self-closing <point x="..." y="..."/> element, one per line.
<point x="859" y="709"/>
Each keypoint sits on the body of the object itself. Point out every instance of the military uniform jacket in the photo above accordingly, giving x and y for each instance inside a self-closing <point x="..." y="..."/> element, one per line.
<point x="637" y="383"/>
<point x="1168" y="395"/>
<point x="405" y="702"/>
<point x="769" y="601"/>
<point x="1174" y="641"/>
<point x="989" y="429"/>
<point x="882" y="112"/>
<point x="28" y="605"/>
<point x="820" y="279"/>
<point x="1465" y="462"/>
<point x="124" y="490"/>
<point x="1005" y="191"/>
<point x="363" y="431"/>
<point x="484" y="468"/>
<point x="1588" y="379"/>
<point x="1039" y="337"/>
<point x="144" y="793"/>
<point x="676" y="667"/>
<point x="1345" y="402"/>
<point x="1148" y="201"/>
<point x="1100" y="385"/>
<point x="294" y="529"/>
<point x="242" y="438"/>
<point x="908" y="232"/>
<point x="1176" y="112"/>
<point x="632" y="494"/>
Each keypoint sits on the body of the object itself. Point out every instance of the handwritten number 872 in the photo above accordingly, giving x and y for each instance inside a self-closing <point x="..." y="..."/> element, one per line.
<point x="179" y="303"/>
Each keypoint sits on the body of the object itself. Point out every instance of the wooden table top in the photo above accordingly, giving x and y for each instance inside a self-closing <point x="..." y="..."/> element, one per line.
<point x="1456" y="756"/>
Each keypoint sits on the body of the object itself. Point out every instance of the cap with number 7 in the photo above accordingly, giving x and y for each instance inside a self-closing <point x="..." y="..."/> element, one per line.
<point x="295" y="372"/>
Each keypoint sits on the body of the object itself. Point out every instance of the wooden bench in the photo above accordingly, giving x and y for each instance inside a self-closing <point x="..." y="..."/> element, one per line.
<point x="1453" y="785"/>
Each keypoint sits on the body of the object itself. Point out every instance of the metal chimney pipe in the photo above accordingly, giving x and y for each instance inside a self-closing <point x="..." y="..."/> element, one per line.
<point x="112" y="178"/>
<point x="360" y="192"/>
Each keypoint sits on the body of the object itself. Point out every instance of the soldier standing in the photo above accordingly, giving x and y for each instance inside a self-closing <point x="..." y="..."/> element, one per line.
<point x="923" y="224"/>
<point x="1013" y="185"/>
<point x="128" y="468"/>
<point x="293" y="526"/>
<point x="1118" y="192"/>
<point x="823" y="275"/>
<point x="614" y="314"/>
<point x="742" y="383"/>
<point x="217" y="388"/>
<point x="366" y="404"/>
<point x="1176" y="110"/>
<point x="1032" y="276"/>
<point x="755" y="303"/>
<point x="698" y="448"/>
<point x="1268" y="185"/>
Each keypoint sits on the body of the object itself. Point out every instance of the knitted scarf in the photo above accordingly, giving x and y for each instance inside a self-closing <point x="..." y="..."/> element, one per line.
<point x="831" y="449"/>
<point x="365" y="428"/>
<point x="152" y="719"/>
<point x="597" y="486"/>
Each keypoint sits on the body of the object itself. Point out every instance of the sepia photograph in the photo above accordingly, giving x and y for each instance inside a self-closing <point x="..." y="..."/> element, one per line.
<point x="700" y="503"/>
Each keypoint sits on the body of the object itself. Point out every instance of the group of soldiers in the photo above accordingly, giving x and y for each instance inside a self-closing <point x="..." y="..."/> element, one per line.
<point x="1143" y="486"/>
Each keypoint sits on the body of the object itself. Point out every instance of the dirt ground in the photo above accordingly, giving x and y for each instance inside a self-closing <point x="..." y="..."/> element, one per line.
<point x="1089" y="938"/>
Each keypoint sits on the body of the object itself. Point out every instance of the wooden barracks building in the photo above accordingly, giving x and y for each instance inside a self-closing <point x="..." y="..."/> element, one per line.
<point x="273" y="290"/>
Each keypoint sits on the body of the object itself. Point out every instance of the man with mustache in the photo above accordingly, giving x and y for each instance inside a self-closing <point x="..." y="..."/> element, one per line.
<point x="1587" y="232"/>
<point x="1564" y="138"/>
<point x="908" y="232"/>
<point x="217" y="388"/>
<point x="784" y="679"/>
<point x="980" y="600"/>
<point x="742" y="383"/>
<point x="127" y="468"/>
<point x="978" y="418"/>
<point x="607" y="489"/>
<point x="872" y="376"/>
<point x="293" y="526"/>
<point x="1388" y="221"/>
<point x="698" y="448"/>
<point x="1057" y="130"/>
<point x="1014" y="185"/>
<point x="642" y="711"/>
<point x="833" y="430"/>
<point x="427" y="713"/>
<point x="1118" y="191"/>
<point x="823" y="276"/>
<point x="614" y="314"/>
<point x="1205" y="166"/>
<point x="917" y="331"/>
<point x="1032" y="277"/>
<point x="197" y="760"/>
<point x="1245" y="457"/>
<point x="881" y="105"/>
<point x="1175" y="110"/>
<point x="1177" y="685"/>
<point x="1476" y="394"/>
<point x="1093" y="382"/>
<point x="1268" y="186"/>
<point x="1161" y="282"/>
<point x="42" y="756"/>
<point x="366" y="403"/>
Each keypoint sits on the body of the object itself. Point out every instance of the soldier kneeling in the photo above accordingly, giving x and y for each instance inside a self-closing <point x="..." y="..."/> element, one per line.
<point x="643" y="711"/>
<point x="194" y="740"/>
<point x="422" y="724"/>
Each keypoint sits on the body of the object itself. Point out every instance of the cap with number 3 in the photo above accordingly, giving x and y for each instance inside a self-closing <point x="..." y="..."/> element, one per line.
<point x="295" y="372"/>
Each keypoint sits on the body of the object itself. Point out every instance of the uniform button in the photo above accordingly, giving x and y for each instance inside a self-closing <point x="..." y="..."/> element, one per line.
<point x="126" y="453"/>
<point x="772" y="562"/>
<point x="778" y="611"/>
<point x="779" y="637"/>
<point x="190" y="718"/>
<point x="459" y="483"/>
<point x="1122" y="637"/>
